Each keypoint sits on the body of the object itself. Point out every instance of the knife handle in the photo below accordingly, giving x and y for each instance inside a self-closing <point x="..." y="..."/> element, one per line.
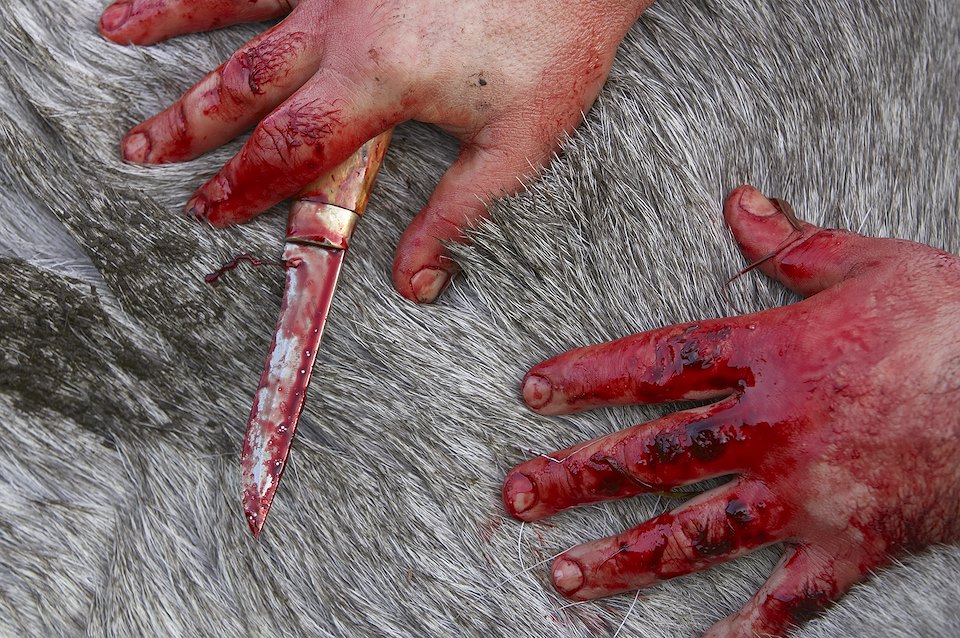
<point x="326" y="211"/>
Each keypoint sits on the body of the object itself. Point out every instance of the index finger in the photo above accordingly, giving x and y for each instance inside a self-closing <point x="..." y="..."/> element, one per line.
<point x="311" y="133"/>
<point x="692" y="361"/>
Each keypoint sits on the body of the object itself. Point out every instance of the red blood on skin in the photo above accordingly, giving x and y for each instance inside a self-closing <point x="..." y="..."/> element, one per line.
<point x="804" y="583"/>
<point x="309" y="139"/>
<point x="693" y="537"/>
<point x="509" y="81"/>
<point x="817" y="418"/>
<point x="162" y="139"/>
<point x="227" y="101"/>
<point x="264" y="63"/>
<point x="804" y="606"/>
<point x="182" y="142"/>
<point x="694" y="361"/>
<point x="311" y="279"/>
<point x="151" y="21"/>
<point x="658" y="456"/>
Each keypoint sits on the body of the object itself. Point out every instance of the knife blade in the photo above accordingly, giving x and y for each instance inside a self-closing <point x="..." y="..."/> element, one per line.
<point x="319" y="228"/>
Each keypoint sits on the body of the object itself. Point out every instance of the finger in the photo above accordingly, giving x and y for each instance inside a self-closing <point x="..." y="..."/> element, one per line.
<point x="308" y="135"/>
<point x="258" y="77"/>
<point x="805" y="582"/>
<point x="713" y="528"/>
<point x="807" y="259"/>
<point x="150" y="21"/>
<point x="678" y="449"/>
<point x="483" y="172"/>
<point x="690" y="361"/>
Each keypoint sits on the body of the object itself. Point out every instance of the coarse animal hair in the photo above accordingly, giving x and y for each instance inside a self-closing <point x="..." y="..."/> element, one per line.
<point x="125" y="380"/>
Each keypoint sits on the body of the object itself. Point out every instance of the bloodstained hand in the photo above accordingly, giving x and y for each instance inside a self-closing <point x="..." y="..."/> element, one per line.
<point x="837" y="419"/>
<point x="508" y="78"/>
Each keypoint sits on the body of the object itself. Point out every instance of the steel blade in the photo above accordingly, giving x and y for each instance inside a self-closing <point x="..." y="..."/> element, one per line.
<point x="312" y="274"/>
<point x="319" y="229"/>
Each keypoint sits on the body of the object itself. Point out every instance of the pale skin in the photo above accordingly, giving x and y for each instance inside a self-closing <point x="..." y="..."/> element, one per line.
<point x="509" y="78"/>
<point x="817" y="404"/>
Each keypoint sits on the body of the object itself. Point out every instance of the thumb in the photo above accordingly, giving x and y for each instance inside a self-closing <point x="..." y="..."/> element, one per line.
<point x="801" y="256"/>
<point x="421" y="267"/>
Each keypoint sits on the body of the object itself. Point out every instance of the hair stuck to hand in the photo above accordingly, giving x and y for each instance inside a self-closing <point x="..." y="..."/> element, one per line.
<point x="786" y="209"/>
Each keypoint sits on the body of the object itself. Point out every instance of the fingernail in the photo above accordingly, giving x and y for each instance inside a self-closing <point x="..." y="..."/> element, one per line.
<point x="567" y="576"/>
<point x="752" y="202"/>
<point x="115" y="16"/>
<point x="198" y="207"/>
<point x="429" y="283"/>
<point x="519" y="494"/>
<point x="537" y="391"/>
<point x="136" y="147"/>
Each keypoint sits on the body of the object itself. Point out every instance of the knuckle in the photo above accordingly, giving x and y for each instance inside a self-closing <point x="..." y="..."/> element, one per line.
<point x="605" y="474"/>
<point x="295" y="136"/>
<point x="273" y="59"/>
<point x="311" y="123"/>
<point x="693" y="540"/>
<point x="269" y="143"/>
<point x="739" y="512"/>
<point x="707" y="440"/>
<point x="299" y="133"/>
<point x="663" y="448"/>
<point x="695" y="347"/>
<point x="252" y="70"/>
<point x="235" y="86"/>
<point x="175" y="122"/>
<point x="452" y="215"/>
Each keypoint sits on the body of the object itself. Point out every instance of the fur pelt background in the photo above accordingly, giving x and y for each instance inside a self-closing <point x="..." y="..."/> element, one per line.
<point x="126" y="381"/>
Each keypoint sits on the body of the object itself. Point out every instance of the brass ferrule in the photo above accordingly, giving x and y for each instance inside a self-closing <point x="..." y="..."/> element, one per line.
<point x="327" y="210"/>
<point x="321" y="224"/>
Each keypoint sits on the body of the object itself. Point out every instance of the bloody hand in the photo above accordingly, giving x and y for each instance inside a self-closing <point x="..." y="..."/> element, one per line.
<point x="508" y="79"/>
<point x="838" y="419"/>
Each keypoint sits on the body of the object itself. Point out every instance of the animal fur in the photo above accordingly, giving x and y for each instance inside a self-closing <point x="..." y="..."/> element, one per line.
<point x="125" y="381"/>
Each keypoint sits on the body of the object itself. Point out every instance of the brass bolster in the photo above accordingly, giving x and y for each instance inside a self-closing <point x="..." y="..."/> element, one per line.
<point x="320" y="224"/>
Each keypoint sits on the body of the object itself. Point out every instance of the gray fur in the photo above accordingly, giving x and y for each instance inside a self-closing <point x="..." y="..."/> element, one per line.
<point x="125" y="381"/>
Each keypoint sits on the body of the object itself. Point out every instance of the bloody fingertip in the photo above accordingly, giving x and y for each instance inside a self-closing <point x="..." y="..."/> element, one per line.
<point x="752" y="202"/>
<point x="198" y="207"/>
<point x="519" y="494"/>
<point x="567" y="576"/>
<point x="115" y="16"/>
<point x="428" y="283"/>
<point x="136" y="147"/>
<point x="537" y="391"/>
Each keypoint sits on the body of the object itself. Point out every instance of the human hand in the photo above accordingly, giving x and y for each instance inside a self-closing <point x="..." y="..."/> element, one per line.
<point x="837" y="418"/>
<point x="508" y="79"/>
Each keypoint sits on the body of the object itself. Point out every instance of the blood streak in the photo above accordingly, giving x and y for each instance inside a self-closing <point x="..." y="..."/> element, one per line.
<point x="280" y="396"/>
<point x="260" y="65"/>
<point x="213" y="277"/>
